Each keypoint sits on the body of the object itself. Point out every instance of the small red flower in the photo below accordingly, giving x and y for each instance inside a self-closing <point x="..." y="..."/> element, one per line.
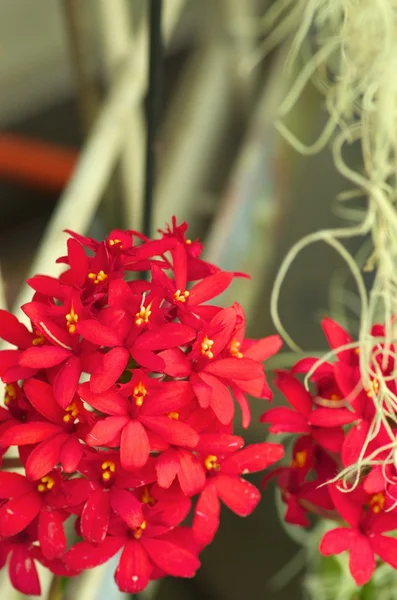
<point x="224" y="481"/>
<point x="364" y="538"/>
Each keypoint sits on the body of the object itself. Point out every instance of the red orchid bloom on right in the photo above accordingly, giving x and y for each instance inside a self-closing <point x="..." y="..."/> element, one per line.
<point x="343" y="464"/>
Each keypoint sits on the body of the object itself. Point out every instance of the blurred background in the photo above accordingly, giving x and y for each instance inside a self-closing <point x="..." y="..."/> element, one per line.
<point x="74" y="81"/>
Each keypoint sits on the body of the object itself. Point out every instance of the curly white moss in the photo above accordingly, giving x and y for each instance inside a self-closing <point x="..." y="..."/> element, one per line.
<point x="352" y="59"/>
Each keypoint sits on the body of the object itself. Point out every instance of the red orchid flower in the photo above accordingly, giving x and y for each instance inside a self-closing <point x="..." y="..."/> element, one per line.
<point x="57" y="436"/>
<point x="224" y="481"/>
<point x="364" y="538"/>
<point x="140" y="412"/>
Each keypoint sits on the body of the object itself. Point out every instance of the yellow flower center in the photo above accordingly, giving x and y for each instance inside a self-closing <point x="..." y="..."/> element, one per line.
<point x="99" y="277"/>
<point x="143" y="315"/>
<point x="10" y="393"/>
<point x="46" y="483"/>
<point x="181" y="296"/>
<point x="139" y="392"/>
<point x="108" y="467"/>
<point x="71" y="320"/>
<point x="138" y="531"/>
<point x="39" y="339"/>
<point x="234" y="349"/>
<point x="300" y="459"/>
<point x="115" y="242"/>
<point x="211" y="463"/>
<point x="377" y="502"/>
<point x="335" y="398"/>
<point x="71" y="412"/>
<point x="173" y="415"/>
<point x="206" y="346"/>
<point x="146" y="498"/>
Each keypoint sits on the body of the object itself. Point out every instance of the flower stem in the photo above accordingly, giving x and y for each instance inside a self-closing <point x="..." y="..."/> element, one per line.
<point x="56" y="588"/>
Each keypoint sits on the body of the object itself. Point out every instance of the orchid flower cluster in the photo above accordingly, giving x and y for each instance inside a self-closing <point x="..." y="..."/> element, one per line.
<point x="120" y="400"/>
<point x="343" y="466"/>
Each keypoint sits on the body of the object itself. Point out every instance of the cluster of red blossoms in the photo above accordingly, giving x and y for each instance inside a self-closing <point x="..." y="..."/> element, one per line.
<point x="335" y="426"/>
<point x="120" y="400"/>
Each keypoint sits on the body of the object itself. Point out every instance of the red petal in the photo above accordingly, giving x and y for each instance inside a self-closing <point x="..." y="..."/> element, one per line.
<point x="180" y="266"/>
<point x="48" y="286"/>
<point x="173" y="432"/>
<point x="167" y="467"/>
<point x="235" y="368"/>
<point x="295" y="513"/>
<point x="126" y="506"/>
<point x="86" y="556"/>
<point x="239" y="495"/>
<point x="219" y="443"/>
<point x="256" y="387"/>
<point x="67" y="380"/>
<point x="362" y="560"/>
<point x="23" y="573"/>
<point x="148" y="359"/>
<point x="191" y="474"/>
<point x="8" y="360"/>
<point x="176" y="363"/>
<point x="134" y="569"/>
<point x="285" y="420"/>
<point x="349" y="510"/>
<point x="51" y="534"/>
<point x="113" y="364"/>
<point x="206" y="516"/>
<point x="354" y="442"/>
<point x="202" y="390"/>
<point x="71" y="453"/>
<point x="305" y="365"/>
<point x="98" y="334"/>
<point x="95" y="516"/>
<point x="171" y="559"/>
<point x="28" y="433"/>
<point x="45" y="456"/>
<point x="43" y="357"/>
<point x="295" y="392"/>
<point x="331" y="439"/>
<point x="135" y="447"/>
<point x="244" y="406"/>
<point x="337" y="336"/>
<point x="41" y="397"/>
<point x="14" y="332"/>
<point x="386" y="548"/>
<point x="255" y="457"/>
<point x="337" y="540"/>
<point x="264" y="348"/>
<point x="17" y="513"/>
<point x="106" y="430"/>
<point x="168" y="335"/>
<point x="221" y="399"/>
<point x="13" y="484"/>
<point x="109" y="402"/>
<point x="78" y="262"/>
<point x="331" y="417"/>
<point x="153" y="248"/>
<point x="210" y="287"/>
<point x="170" y="396"/>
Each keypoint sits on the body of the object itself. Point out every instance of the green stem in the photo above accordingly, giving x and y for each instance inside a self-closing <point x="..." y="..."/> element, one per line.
<point x="56" y="588"/>
<point x="367" y="592"/>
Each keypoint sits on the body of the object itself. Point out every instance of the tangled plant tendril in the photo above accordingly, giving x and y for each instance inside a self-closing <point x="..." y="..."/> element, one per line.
<point x="352" y="46"/>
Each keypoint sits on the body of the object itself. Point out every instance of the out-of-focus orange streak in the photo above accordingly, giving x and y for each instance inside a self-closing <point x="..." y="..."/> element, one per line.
<point x="36" y="163"/>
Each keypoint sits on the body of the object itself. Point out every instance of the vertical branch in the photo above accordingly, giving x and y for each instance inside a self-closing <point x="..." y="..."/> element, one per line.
<point x="153" y="108"/>
<point x="76" y="21"/>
